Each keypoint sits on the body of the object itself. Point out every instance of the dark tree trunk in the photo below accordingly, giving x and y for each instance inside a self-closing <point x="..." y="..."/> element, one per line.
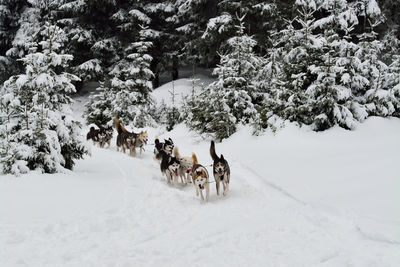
<point x="156" y="80"/>
<point x="175" y="65"/>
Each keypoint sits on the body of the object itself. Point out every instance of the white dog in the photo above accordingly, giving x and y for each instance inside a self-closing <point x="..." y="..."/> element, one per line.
<point x="186" y="166"/>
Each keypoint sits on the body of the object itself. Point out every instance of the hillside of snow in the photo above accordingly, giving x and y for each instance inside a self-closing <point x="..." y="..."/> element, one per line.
<point x="297" y="198"/>
<point x="179" y="88"/>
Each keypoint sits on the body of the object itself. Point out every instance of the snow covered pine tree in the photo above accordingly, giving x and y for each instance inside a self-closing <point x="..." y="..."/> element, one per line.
<point x="232" y="98"/>
<point x="37" y="130"/>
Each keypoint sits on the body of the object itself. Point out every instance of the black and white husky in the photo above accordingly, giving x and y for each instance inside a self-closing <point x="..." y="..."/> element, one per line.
<point x="170" y="166"/>
<point x="221" y="170"/>
<point x="167" y="147"/>
<point x="100" y="136"/>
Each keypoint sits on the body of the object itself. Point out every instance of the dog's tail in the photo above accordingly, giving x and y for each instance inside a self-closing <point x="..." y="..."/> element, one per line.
<point x="157" y="144"/>
<point x="88" y="136"/>
<point x="212" y="151"/>
<point x="194" y="158"/>
<point x="120" y="128"/>
<point x="176" y="152"/>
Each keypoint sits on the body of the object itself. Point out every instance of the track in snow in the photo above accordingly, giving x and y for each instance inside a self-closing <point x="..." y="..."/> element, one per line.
<point x="150" y="223"/>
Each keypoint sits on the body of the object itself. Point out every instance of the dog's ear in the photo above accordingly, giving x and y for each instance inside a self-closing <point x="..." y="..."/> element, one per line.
<point x="222" y="157"/>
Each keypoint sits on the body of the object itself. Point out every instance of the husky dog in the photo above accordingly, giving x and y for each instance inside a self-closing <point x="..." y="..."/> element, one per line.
<point x="185" y="167"/>
<point x="221" y="170"/>
<point x="100" y="136"/>
<point x="102" y="139"/>
<point x="200" y="179"/>
<point x="140" y="141"/>
<point x="170" y="166"/>
<point x="93" y="134"/>
<point x="108" y="135"/>
<point x="125" y="139"/>
<point x="167" y="147"/>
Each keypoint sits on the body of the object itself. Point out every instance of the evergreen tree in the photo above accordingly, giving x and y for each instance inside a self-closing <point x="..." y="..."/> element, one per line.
<point x="269" y="83"/>
<point x="132" y="85"/>
<point x="300" y="48"/>
<point x="260" y="19"/>
<point x="94" y="36"/>
<point x="99" y="109"/>
<point x="330" y="98"/>
<point x="191" y="21"/>
<point x="10" y="13"/>
<point x="166" y="41"/>
<point x="37" y="130"/>
<point x="232" y="98"/>
<point x="377" y="98"/>
<point x="127" y="95"/>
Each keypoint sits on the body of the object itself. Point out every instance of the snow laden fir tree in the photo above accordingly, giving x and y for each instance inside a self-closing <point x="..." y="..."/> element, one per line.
<point x="37" y="130"/>
<point x="127" y="95"/>
<point x="233" y="98"/>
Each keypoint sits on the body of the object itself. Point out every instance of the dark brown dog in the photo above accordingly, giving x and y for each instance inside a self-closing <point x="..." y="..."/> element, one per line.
<point x="125" y="139"/>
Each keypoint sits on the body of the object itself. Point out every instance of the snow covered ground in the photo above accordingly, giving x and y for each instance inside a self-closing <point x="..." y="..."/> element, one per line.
<point x="298" y="198"/>
<point x="180" y="88"/>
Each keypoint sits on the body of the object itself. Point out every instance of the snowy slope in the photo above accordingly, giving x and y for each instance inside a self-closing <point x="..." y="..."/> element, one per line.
<point x="297" y="198"/>
<point x="181" y="87"/>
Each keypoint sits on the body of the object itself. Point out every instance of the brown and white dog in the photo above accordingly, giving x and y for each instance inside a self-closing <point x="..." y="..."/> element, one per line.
<point x="129" y="140"/>
<point x="140" y="141"/>
<point x="200" y="179"/>
<point x="185" y="167"/>
<point x="221" y="170"/>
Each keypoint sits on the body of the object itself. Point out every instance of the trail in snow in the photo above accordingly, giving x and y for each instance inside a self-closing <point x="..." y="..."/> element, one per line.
<point x="150" y="224"/>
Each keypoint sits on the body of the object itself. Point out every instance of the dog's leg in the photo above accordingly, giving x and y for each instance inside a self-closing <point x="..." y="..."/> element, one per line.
<point x="224" y="185"/>
<point x="183" y="180"/>
<point x="197" y="190"/>
<point x="201" y="194"/>
<point x="207" y="191"/>
<point x="188" y="178"/>
<point x="175" y="180"/>
<point x="217" y="185"/>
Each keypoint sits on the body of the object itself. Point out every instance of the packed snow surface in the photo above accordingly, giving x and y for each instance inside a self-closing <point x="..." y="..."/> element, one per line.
<point x="297" y="198"/>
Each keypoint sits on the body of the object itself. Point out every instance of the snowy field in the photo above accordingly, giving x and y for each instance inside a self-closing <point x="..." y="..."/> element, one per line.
<point x="298" y="198"/>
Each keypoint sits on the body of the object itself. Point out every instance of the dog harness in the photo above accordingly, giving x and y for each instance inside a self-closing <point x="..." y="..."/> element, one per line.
<point x="195" y="166"/>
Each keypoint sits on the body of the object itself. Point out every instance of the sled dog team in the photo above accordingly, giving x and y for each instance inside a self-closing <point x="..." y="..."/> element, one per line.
<point x="172" y="164"/>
